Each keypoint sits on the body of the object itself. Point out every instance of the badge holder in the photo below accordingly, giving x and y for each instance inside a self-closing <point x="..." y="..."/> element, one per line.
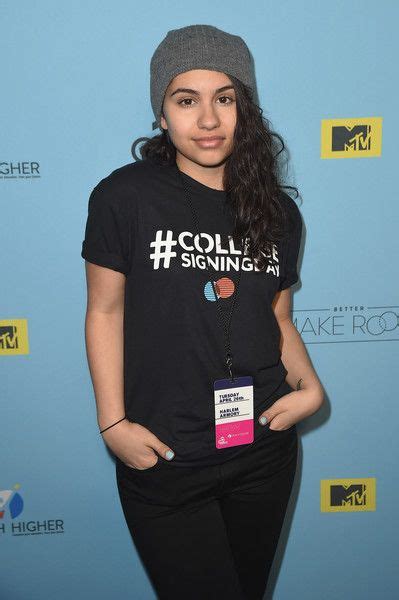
<point x="234" y="411"/>
<point x="234" y="396"/>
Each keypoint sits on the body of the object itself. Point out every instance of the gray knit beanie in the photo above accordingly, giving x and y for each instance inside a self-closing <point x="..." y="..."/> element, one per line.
<point x="197" y="47"/>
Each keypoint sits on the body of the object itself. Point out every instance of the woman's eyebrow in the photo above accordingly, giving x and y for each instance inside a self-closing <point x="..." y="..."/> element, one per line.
<point x="190" y="91"/>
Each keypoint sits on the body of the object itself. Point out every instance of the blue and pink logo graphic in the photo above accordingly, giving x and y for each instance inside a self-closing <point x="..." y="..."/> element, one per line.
<point x="11" y="500"/>
<point x="224" y="289"/>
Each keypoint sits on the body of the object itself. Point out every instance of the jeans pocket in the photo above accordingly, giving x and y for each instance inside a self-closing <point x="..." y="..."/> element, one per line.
<point x="280" y="431"/>
<point x="122" y="465"/>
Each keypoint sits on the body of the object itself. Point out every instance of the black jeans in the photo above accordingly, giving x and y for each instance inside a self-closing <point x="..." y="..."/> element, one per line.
<point x="207" y="533"/>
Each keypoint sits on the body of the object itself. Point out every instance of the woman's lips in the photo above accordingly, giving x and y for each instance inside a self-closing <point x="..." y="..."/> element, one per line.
<point x="209" y="143"/>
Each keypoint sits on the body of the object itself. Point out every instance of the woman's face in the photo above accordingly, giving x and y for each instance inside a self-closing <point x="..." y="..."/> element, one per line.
<point x="201" y="109"/>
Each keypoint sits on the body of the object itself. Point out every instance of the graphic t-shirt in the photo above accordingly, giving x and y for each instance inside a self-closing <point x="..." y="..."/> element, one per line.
<point x="140" y="224"/>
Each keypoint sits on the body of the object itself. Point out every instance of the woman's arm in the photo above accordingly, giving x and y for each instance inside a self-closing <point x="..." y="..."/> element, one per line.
<point x="295" y="358"/>
<point x="133" y="443"/>
<point x="104" y="340"/>
<point x="309" y="395"/>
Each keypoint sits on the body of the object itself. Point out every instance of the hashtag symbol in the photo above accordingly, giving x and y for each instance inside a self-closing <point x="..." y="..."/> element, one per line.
<point x="163" y="249"/>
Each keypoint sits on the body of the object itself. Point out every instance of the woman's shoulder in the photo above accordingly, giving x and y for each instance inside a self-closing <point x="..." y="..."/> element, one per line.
<point x="291" y="208"/>
<point x="288" y="202"/>
<point x="127" y="177"/>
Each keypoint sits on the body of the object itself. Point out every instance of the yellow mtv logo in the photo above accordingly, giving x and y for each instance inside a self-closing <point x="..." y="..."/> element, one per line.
<point x="351" y="138"/>
<point x="347" y="495"/>
<point x="14" y="337"/>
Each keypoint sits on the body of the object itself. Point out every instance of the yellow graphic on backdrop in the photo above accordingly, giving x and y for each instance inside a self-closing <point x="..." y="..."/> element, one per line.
<point x="347" y="495"/>
<point x="351" y="138"/>
<point x="14" y="336"/>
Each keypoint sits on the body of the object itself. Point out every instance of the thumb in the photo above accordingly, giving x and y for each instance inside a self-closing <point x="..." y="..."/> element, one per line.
<point x="267" y="415"/>
<point x="163" y="449"/>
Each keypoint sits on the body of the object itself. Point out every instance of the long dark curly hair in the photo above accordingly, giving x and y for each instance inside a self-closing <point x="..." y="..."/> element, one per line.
<point x="252" y="176"/>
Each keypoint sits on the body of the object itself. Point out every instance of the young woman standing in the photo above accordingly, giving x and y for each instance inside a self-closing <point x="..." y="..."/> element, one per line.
<point x="199" y="373"/>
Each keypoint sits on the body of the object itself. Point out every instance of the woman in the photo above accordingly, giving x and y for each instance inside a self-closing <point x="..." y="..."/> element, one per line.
<point x="190" y="255"/>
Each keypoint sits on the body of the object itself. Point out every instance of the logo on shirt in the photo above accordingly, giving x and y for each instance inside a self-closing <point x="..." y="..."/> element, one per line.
<point x="216" y="250"/>
<point x="224" y="289"/>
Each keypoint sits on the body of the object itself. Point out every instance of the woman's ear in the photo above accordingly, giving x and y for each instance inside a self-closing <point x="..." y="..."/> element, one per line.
<point x="164" y="124"/>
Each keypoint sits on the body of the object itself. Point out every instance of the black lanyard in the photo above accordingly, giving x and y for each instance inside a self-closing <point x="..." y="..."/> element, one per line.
<point x="225" y="322"/>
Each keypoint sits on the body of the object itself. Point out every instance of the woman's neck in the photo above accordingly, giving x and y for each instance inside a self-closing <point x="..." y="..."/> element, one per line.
<point x="212" y="176"/>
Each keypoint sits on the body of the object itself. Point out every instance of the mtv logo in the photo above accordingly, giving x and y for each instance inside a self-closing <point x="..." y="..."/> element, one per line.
<point x="354" y="495"/>
<point x="8" y="337"/>
<point x="351" y="138"/>
<point x="347" y="495"/>
<point x="14" y="336"/>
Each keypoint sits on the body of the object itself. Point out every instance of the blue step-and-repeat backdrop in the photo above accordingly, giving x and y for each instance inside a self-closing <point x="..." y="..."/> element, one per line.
<point x="75" y="97"/>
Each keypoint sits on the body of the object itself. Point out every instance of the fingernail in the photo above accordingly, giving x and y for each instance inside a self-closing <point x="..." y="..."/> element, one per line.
<point x="169" y="454"/>
<point x="263" y="420"/>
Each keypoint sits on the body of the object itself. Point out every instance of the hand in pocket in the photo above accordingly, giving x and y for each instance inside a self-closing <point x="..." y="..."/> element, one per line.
<point x="291" y="408"/>
<point x="136" y="446"/>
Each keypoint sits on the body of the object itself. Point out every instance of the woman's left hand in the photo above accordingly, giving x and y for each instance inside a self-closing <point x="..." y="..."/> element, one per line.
<point x="292" y="408"/>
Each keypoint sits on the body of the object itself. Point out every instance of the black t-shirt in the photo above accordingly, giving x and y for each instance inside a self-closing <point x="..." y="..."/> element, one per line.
<point x="139" y="223"/>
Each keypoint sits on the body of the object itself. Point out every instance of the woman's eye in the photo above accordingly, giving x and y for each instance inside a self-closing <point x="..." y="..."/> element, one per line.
<point x="229" y="98"/>
<point x="184" y="100"/>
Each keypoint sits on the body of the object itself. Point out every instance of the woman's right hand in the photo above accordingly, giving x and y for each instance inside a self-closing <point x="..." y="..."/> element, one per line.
<point x="135" y="445"/>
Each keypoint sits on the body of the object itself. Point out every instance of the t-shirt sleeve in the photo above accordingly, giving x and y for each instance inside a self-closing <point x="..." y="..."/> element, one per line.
<point x="107" y="240"/>
<point x="290" y="274"/>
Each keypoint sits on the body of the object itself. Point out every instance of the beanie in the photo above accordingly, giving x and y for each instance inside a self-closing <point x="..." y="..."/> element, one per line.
<point x="197" y="47"/>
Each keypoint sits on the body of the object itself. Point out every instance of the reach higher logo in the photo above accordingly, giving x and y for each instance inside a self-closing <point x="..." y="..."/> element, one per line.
<point x="12" y="506"/>
<point x="19" y="170"/>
